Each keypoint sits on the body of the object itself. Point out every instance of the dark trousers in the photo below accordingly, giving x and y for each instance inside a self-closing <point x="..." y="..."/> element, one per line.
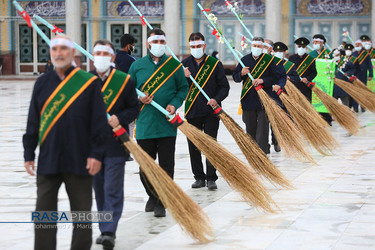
<point x="327" y="117"/>
<point x="210" y="126"/>
<point x="257" y="125"/>
<point x="79" y="189"/>
<point x="344" y="99"/>
<point x="109" y="191"/>
<point x="164" y="149"/>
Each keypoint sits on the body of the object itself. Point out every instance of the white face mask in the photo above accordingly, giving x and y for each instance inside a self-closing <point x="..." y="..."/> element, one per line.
<point x="197" y="53"/>
<point x="316" y="46"/>
<point x="301" y="51"/>
<point x="157" y="49"/>
<point x="265" y="51"/>
<point x="358" y="48"/>
<point x="256" y="51"/>
<point x="279" y="55"/>
<point x="336" y="58"/>
<point x="348" y="52"/>
<point x="102" y="63"/>
<point x="367" y="46"/>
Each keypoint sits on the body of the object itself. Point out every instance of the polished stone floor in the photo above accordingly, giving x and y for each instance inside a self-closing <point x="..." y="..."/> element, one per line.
<point x="332" y="205"/>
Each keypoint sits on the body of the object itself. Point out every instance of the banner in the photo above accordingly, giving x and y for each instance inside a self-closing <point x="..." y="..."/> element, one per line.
<point x="324" y="81"/>
<point x="371" y="84"/>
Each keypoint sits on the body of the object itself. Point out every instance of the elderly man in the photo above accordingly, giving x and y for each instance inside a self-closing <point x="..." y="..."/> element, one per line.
<point x="122" y="104"/>
<point x="67" y="119"/>
<point x="254" y="115"/>
<point x="162" y="79"/>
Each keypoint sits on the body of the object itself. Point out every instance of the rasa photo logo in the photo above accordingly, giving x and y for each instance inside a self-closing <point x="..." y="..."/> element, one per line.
<point x="71" y="216"/>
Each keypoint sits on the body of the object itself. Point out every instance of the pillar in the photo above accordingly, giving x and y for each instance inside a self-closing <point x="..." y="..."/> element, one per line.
<point x="172" y="25"/>
<point x="373" y="22"/>
<point x="273" y="20"/>
<point x="73" y="24"/>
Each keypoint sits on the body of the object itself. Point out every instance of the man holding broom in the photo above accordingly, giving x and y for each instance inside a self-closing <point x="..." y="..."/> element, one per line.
<point x="365" y="64"/>
<point x="254" y="115"/>
<point x="209" y="73"/>
<point x="122" y="104"/>
<point x="162" y="79"/>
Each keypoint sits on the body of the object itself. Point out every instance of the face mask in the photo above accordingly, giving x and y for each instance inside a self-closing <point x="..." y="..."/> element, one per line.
<point x="279" y="55"/>
<point x="367" y="46"/>
<point x="256" y="51"/>
<point x="102" y="63"/>
<point x="197" y="53"/>
<point x="301" y="51"/>
<point x="157" y="49"/>
<point x="316" y="46"/>
<point x="348" y="52"/>
<point x="265" y="51"/>
<point x="358" y="48"/>
<point x="336" y="58"/>
<point x="130" y="50"/>
<point x="217" y="56"/>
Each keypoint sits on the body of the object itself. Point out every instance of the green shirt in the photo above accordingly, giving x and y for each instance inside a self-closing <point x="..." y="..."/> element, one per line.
<point x="151" y="123"/>
<point x="315" y="54"/>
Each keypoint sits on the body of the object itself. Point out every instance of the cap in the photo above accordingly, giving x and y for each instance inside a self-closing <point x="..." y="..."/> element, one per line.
<point x="280" y="46"/>
<point x="348" y="46"/>
<point x="365" y="38"/>
<point x="302" y="41"/>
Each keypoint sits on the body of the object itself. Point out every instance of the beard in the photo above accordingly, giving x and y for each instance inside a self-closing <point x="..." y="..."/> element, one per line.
<point x="61" y="62"/>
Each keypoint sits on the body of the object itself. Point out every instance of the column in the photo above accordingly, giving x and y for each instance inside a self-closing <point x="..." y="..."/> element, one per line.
<point x="172" y="25"/>
<point x="273" y="20"/>
<point x="372" y="23"/>
<point x="73" y="24"/>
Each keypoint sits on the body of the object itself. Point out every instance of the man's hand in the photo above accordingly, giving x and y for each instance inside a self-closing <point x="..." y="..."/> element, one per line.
<point x="212" y="102"/>
<point x="369" y="79"/>
<point x="171" y="109"/>
<point x="113" y="121"/>
<point x="187" y="72"/>
<point x="93" y="166"/>
<point x="275" y="88"/>
<point x="29" y="165"/>
<point x="304" y="80"/>
<point x="147" y="99"/>
<point x="257" y="81"/>
<point x="287" y="77"/>
<point x="245" y="71"/>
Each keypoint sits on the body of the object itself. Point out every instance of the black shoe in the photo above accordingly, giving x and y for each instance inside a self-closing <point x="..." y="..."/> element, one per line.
<point x="363" y="110"/>
<point x="198" y="184"/>
<point x="277" y="147"/>
<point x="150" y="205"/>
<point x="99" y="239"/>
<point x="159" y="210"/>
<point x="108" y="242"/>
<point x="355" y="110"/>
<point x="211" y="185"/>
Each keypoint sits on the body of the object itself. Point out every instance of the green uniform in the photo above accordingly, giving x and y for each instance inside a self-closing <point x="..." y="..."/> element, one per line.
<point x="151" y="123"/>
<point x="315" y="54"/>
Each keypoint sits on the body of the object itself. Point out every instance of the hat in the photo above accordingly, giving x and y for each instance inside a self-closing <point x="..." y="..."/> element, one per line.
<point x="302" y="41"/>
<point x="280" y="46"/>
<point x="320" y="38"/>
<point x="348" y="46"/>
<point x="365" y="38"/>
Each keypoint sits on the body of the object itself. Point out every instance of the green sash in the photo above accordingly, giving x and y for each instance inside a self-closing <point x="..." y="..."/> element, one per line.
<point x="305" y="65"/>
<point x="60" y="100"/>
<point x="113" y="87"/>
<point x="340" y="62"/>
<point x="288" y="65"/>
<point x="277" y="60"/>
<point x="372" y="53"/>
<point x="201" y="78"/>
<point x="353" y="59"/>
<point x="362" y="56"/>
<point x="160" y="76"/>
<point x="257" y="72"/>
<point x="323" y="54"/>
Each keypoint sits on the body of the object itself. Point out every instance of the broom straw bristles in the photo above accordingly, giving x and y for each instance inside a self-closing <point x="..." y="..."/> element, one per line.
<point x="342" y="114"/>
<point x="312" y="129"/>
<point x="363" y="97"/>
<point x="361" y="85"/>
<point x="286" y="132"/>
<point x="183" y="209"/>
<point x="298" y="97"/>
<point x="254" y="155"/>
<point x="234" y="171"/>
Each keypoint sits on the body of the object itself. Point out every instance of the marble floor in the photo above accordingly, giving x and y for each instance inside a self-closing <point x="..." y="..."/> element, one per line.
<point x="332" y="205"/>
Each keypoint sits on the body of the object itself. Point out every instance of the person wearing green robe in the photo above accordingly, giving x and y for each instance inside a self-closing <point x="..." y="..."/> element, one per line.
<point x="162" y="79"/>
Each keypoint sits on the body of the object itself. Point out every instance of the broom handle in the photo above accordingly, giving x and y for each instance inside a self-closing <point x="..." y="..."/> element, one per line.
<point x="244" y="37"/>
<point x="225" y="40"/>
<point x="170" y="51"/>
<point x="237" y="51"/>
<point x="239" y="19"/>
<point x="40" y="32"/>
<point x="51" y="27"/>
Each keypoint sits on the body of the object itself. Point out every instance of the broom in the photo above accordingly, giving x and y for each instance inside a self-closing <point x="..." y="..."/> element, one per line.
<point x="267" y="170"/>
<point x="254" y="155"/>
<point x="360" y="84"/>
<point x="341" y="113"/>
<point x="299" y="98"/>
<point x="234" y="171"/>
<point x="312" y="129"/>
<point x="286" y="132"/>
<point x="363" y="97"/>
<point x="183" y="209"/>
